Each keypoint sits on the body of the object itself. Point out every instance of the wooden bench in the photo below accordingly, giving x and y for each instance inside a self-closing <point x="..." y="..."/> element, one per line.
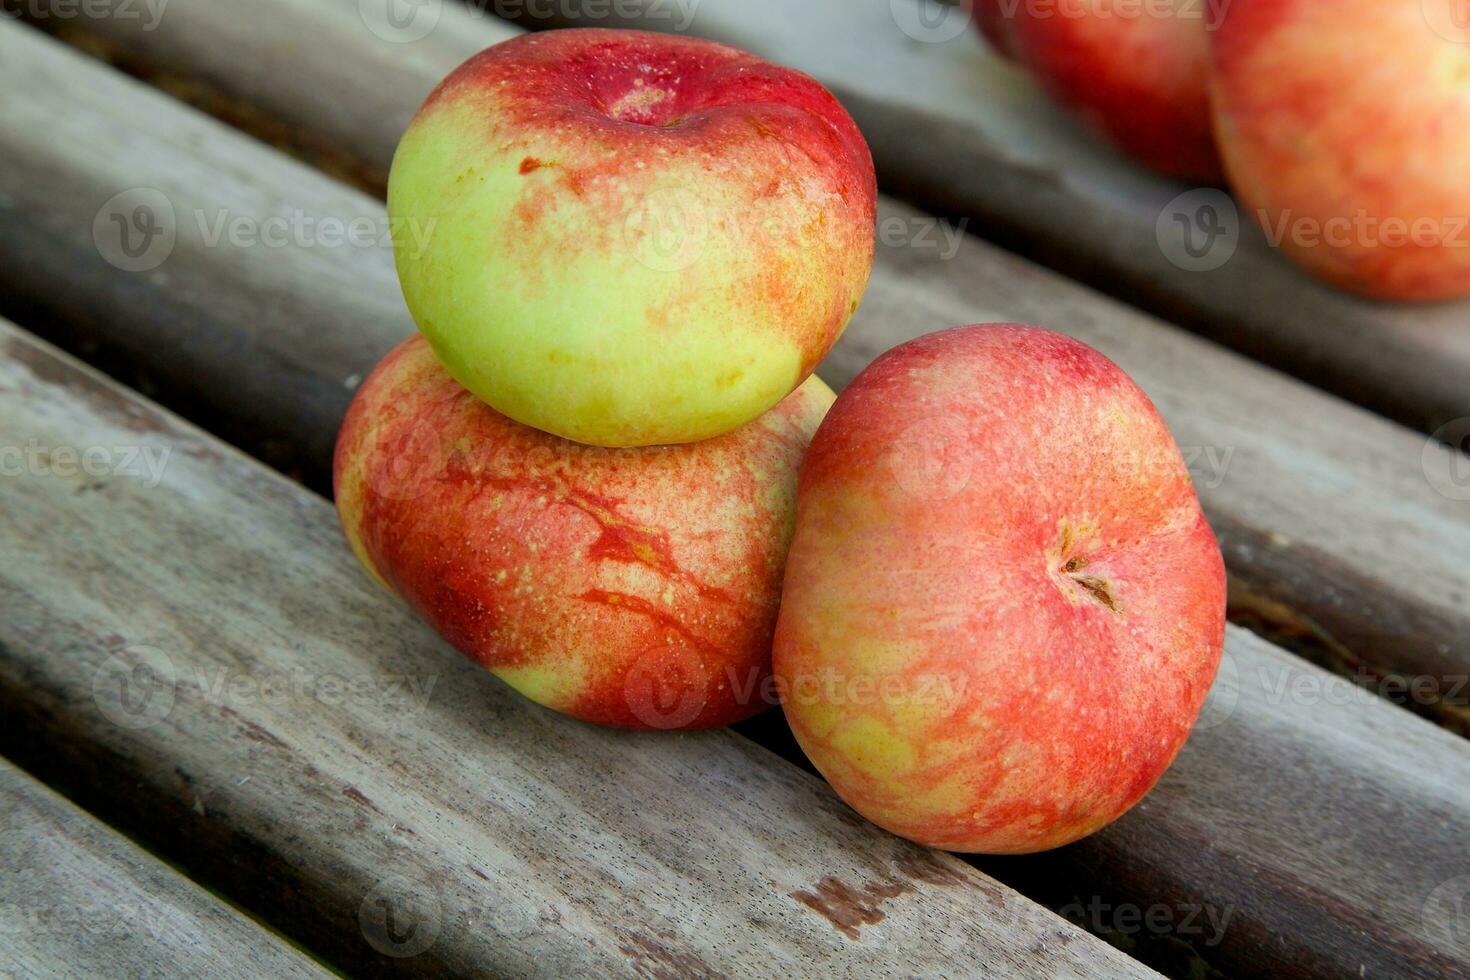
<point x="1386" y="599"/>
<point x="494" y="824"/>
<point x="77" y="893"/>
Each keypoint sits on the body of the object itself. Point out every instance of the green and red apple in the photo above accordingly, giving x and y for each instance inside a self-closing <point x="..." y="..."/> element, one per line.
<point x="1346" y="127"/>
<point x="631" y="239"/>
<point x="629" y="587"/>
<point x="1136" y="71"/>
<point x="1003" y="607"/>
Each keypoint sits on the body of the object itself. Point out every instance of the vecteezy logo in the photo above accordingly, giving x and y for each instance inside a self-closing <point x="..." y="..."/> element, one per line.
<point x="1446" y="913"/>
<point x="398" y="918"/>
<point x="667" y="231"/>
<point x="1224" y="694"/>
<point x="135" y="687"/>
<point x="1446" y="459"/>
<point x="135" y="231"/>
<point x="405" y="461"/>
<point x="1450" y="19"/>
<point x="666" y="688"/>
<point x="933" y="459"/>
<point x="930" y="21"/>
<point x="400" y="21"/>
<point x="1199" y="230"/>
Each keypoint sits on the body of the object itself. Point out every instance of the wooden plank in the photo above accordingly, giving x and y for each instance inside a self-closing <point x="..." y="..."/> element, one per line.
<point x="79" y="899"/>
<point x="185" y="641"/>
<point x="1300" y="751"/>
<point x="957" y="129"/>
<point x="1343" y="541"/>
<point x="188" y="647"/>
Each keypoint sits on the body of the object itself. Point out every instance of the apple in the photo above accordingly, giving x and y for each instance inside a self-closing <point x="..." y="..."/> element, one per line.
<point x="630" y="239"/>
<point x="1003" y="607"/>
<point x="627" y="587"/>
<point x="1346" y="128"/>
<point x="1137" y="70"/>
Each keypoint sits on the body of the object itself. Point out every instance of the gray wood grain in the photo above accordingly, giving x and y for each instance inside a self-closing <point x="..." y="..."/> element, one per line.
<point x="1283" y="814"/>
<point x="956" y="129"/>
<point x="79" y="899"/>
<point x="1330" y="521"/>
<point x="192" y="648"/>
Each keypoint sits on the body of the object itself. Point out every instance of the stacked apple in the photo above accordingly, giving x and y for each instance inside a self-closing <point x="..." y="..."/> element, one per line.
<point x="1002" y="606"/>
<point x="1344" y="127"/>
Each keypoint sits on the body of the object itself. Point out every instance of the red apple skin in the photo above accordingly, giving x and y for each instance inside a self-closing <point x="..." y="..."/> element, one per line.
<point x="629" y="238"/>
<point x="1137" y="76"/>
<point x="1003" y="607"/>
<point x="628" y="587"/>
<point x="1355" y="112"/>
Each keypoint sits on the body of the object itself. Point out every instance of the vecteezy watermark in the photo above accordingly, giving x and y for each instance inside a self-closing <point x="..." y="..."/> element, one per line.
<point x="1208" y="465"/>
<point x="406" y="21"/>
<point x="1189" y="920"/>
<point x="668" y="231"/>
<point x="406" y="462"/>
<point x="665" y="15"/>
<point x="397" y="694"/>
<point x="1446" y="459"/>
<point x="1306" y="688"/>
<point x="138" y="230"/>
<point x="400" y="21"/>
<point x="1212" y="12"/>
<point x="1450" y="19"/>
<point x="1219" y="706"/>
<point x="147" y="12"/>
<point x="1199" y="230"/>
<point x="666" y="688"/>
<point x="145" y="464"/>
<point x="135" y="230"/>
<point x="400" y="918"/>
<point x="930" y="21"/>
<point x="300" y="229"/>
<point x="1445" y="914"/>
<point x="670" y="687"/>
<point x="933" y="459"/>
<point x="1366" y="230"/>
<point x="136" y="687"/>
<point x="922" y="232"/>
<point x="93" y="919"/>
<point x="672" y="228"/>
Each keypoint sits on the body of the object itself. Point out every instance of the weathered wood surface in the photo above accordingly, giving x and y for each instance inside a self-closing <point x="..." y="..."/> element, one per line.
<point x="957" y="129"/>
<point x="185" y="642"/>
<point x="188" y="647"/>
<point x="1284" y="814"/>
<point x="1341" y="538"/>
<point x="78" y="899"/>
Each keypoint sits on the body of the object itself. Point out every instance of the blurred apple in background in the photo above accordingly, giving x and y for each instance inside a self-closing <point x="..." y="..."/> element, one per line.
<point x="1003" y="607"/>
<point x="1347" y="126"/>
<point x="629" y="239"/>
<point x="627" y="587"/>
<point x="1135" y="69"/>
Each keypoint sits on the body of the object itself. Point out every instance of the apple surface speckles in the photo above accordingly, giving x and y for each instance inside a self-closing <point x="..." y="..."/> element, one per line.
<point x="631" y="239"/>
<point x="1345" y="128"/>
<point x="1010" y="662"/>
<point x="629" y="587"/>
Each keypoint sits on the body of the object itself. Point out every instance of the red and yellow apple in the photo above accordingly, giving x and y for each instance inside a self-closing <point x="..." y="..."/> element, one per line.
<point x="1003" y="607"/>
<point x="1136" y="70"/>
<point x="631" y="239"/>
<point x="1346" y="126"/>
<point x="629" y="587"/>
